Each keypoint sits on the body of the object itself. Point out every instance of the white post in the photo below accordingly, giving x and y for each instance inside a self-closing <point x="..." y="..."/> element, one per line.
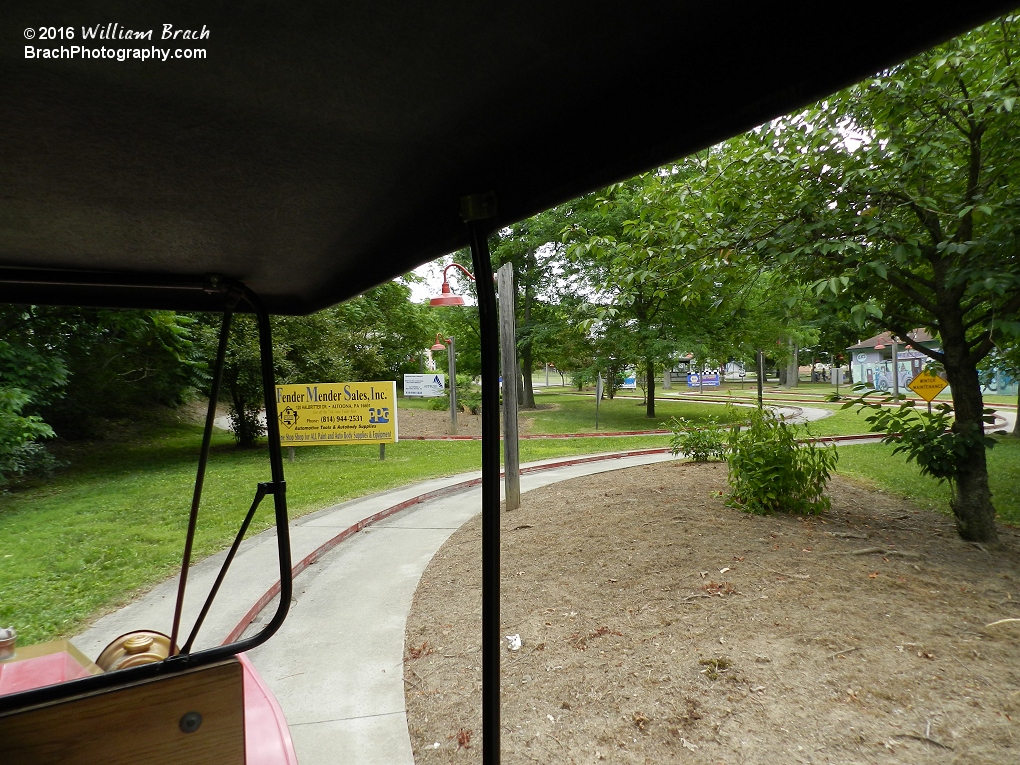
<point x="508" y="348"/>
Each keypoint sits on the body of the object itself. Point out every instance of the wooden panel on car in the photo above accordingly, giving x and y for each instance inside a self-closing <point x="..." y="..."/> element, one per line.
<point x="142" y="722"/>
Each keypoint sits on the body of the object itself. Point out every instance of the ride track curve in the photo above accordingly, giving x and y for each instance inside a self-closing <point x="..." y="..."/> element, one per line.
<point x="315" y="555"/>
<point x="337" y="669"/>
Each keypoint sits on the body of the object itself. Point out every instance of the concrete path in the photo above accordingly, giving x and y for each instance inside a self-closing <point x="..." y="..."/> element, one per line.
<point x="336" y="666"/>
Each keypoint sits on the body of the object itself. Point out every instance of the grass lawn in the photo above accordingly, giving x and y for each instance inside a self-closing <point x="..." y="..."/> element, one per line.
<point x="877" y="466"/>
<point x="576" y="414"/>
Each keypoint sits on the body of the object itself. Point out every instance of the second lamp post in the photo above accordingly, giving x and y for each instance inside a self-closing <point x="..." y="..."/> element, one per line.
<point x="450" y="348"/>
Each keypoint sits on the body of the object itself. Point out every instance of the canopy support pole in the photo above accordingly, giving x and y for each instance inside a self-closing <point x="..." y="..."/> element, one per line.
<point x="478" y="212"/>
<point x="196" y="498"/>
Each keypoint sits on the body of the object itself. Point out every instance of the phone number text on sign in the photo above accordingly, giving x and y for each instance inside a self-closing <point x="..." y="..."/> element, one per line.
<point x="321" y="414"/>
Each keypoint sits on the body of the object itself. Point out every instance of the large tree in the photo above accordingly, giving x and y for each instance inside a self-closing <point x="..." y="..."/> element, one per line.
<point x="898" y="198"/>
<point x="533" y="249"/>
<point x="645" y="268"/>
<point x="658" y="259"/>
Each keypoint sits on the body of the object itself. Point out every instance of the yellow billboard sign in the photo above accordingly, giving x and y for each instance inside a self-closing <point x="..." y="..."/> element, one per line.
<point x="927" y="386"/>
<point x="320" y="414"/>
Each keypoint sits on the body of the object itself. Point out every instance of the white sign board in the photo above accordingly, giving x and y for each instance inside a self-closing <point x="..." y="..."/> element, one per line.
<point x="424" y="386"/>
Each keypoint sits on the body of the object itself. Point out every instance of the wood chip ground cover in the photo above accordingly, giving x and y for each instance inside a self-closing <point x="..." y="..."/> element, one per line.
<point x="658" y="625"/>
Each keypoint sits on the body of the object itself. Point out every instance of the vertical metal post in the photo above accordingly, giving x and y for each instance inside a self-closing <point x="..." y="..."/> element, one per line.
<point x="508" y="348"/>
<point x="203" y="461"/>
<point x="475" y="211"/>
<point x="547" y="374"/>
<point x="761" y="375"/>
<point x="279" y="485"/>
<point x="895" y="369"/>
<point x="382" y="452"/>
<point x="451" y="363"/>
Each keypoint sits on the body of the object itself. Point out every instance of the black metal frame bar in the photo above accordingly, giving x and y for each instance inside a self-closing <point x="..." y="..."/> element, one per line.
<point x="196" y="498"/>
<point x="229" y="292"/>
<point x="491" y="644"/>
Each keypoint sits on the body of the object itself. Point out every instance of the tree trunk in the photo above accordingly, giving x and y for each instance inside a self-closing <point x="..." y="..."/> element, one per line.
<point x="792" y="367"/>
<point x="528" y="397"/>
<point x="245" y="429"/>
<point x="972" y="499"/>
<point x="650" y="382"/>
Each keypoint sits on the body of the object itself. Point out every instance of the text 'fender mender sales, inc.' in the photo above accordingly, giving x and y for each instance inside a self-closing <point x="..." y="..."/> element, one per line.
<point x="322" y="414"/>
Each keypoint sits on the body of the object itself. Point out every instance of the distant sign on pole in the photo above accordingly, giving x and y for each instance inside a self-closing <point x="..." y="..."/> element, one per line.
<point x="694" y="380"/>
<point x="927" y="385"/>
<point x="424" y="386"/>
<point x="322" y="414"/>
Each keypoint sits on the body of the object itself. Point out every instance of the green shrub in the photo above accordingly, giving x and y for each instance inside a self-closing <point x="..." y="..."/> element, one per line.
<point x="700" y="444"/>
<point x="21" y="453"/>
<point x="926" y="438"/>
<point x="770" y="471"/>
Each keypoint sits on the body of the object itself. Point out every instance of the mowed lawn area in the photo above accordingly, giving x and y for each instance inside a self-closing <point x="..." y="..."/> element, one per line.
<point x="113" y="522"/>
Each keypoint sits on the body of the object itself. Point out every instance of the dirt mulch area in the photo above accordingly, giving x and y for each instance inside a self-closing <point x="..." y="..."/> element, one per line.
<point x="660" y="626"/>
<point x="428" y="423"/>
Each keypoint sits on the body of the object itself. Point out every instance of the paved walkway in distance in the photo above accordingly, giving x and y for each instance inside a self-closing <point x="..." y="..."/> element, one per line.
<point x="336" y="665"/>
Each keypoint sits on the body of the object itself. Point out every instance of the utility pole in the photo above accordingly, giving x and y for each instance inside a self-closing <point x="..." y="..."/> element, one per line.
<point x="508" y="348"/>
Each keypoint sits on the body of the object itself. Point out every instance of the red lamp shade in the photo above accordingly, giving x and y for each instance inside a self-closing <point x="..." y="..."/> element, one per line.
<point x="879" y="347"/>
<point x="440" y="340"/>
<point x="447" y="298"/>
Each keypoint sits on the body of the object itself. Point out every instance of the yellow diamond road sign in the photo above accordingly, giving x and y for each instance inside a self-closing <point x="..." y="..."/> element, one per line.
<point x="927" y="386"/>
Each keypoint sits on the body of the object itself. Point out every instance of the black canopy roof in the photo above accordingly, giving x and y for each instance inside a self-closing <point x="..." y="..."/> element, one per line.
<point x="320" y="148"/>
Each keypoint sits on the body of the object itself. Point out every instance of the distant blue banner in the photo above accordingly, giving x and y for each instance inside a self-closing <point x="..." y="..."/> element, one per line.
<point x="695" y="380"/>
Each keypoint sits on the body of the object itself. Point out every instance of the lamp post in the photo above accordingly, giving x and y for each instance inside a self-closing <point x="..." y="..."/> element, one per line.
<point x="508" y="345"/>
<point x="450" y="348"/>
<point x="448" y="298"/>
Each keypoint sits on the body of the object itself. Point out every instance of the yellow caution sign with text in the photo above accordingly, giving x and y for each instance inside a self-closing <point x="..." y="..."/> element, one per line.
<point x="320" y="414"/>
<point x="927" y="386"/>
